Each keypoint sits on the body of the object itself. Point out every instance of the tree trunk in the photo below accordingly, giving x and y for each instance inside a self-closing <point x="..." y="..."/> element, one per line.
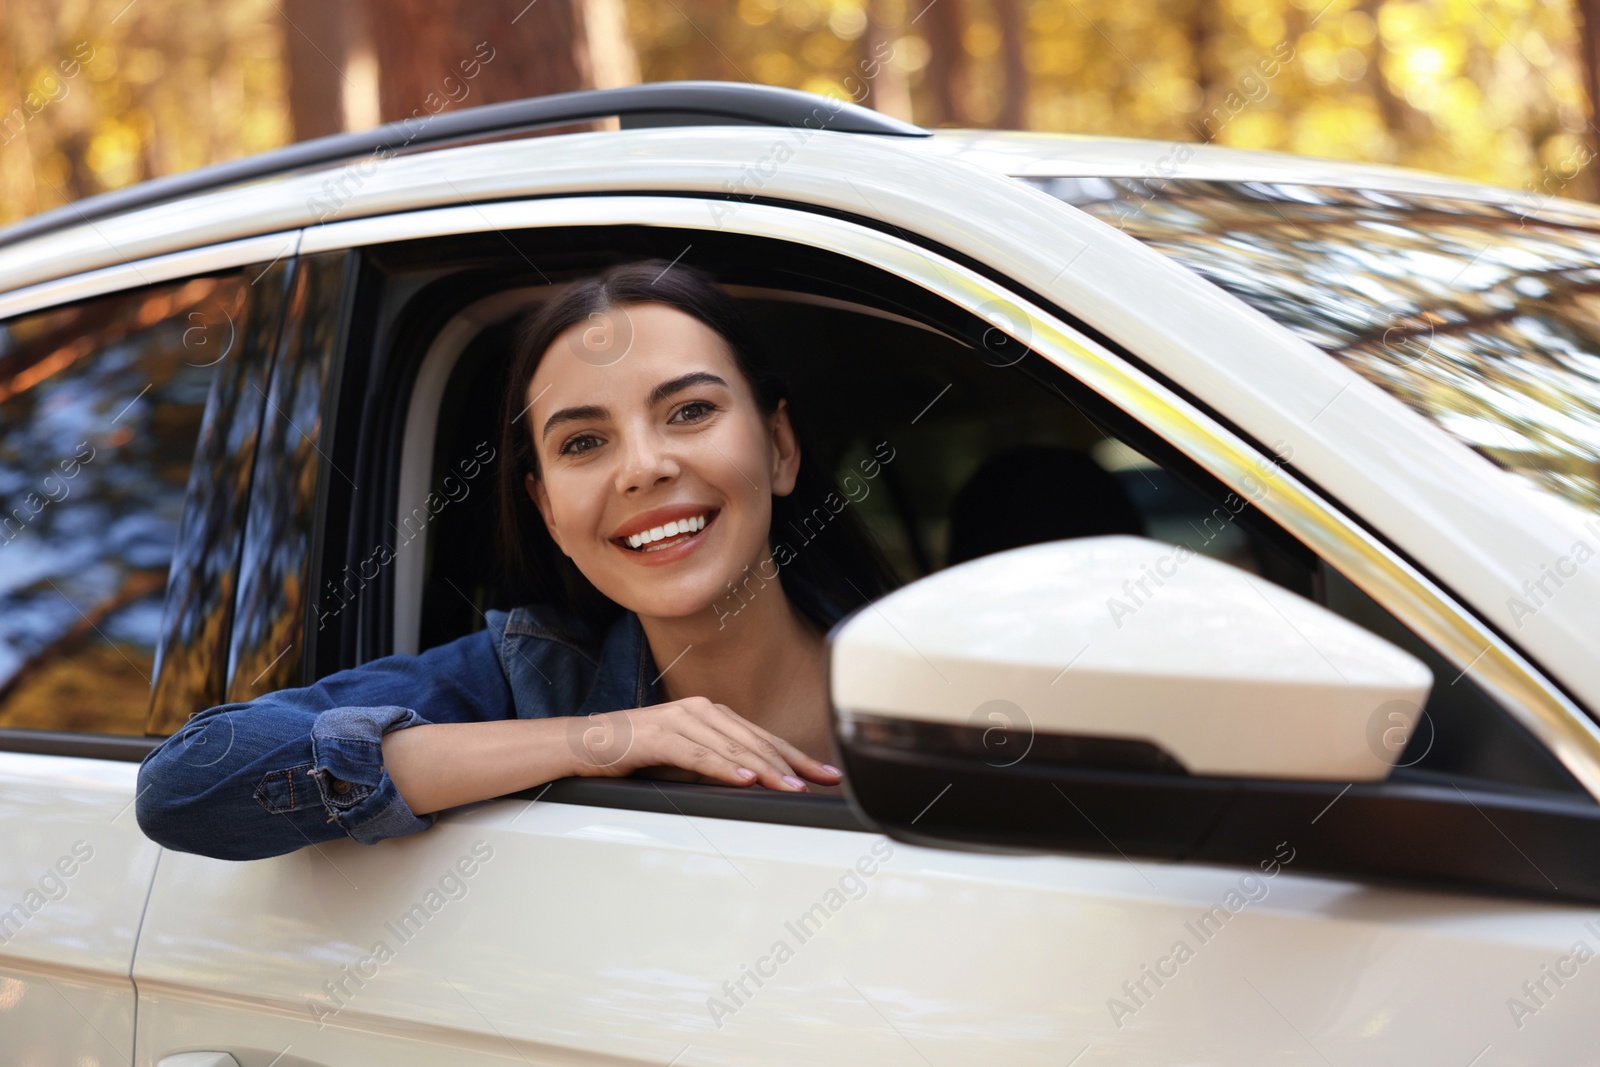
<point x="319" y="40"/>
<point x="353" y="65"/>
<point x="1200" y="44"/>
<point x="944" y="78"/>
<point x="1404" y="122"/>
<point x="439" y="54"/>
<point x="1014" y="104"/>
<point x="1589" y="56"/>
<point x="887" y="88"/>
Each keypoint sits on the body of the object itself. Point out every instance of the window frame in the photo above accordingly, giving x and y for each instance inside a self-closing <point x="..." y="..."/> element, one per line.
<point x="1117" y="377"/>
<point x="1344" y="541"/>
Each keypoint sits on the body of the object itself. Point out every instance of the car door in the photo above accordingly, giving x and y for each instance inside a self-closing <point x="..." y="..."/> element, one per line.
<point x="638" y="922"/>
<point x="105" y="402"/>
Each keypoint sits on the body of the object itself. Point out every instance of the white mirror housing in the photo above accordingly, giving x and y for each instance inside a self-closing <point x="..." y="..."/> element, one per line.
<point x="1128" y="639"/>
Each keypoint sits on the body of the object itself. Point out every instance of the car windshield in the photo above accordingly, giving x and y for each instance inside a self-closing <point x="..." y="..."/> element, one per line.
<point x="1485" y="320"/>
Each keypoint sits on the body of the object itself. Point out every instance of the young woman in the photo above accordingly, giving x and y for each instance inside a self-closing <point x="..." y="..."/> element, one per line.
<point x="676" y="571"/>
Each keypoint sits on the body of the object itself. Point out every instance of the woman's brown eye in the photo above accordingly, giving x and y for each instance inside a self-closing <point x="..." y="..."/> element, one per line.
<point x="570" y="446"/>
<point x="700" y="409"/>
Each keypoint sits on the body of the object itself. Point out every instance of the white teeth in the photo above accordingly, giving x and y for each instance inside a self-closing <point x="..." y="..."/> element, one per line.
<point x="671" y="529"/>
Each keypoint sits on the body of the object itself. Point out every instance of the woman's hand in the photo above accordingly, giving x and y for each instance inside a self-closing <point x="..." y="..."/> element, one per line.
<point x="696" y="735"/>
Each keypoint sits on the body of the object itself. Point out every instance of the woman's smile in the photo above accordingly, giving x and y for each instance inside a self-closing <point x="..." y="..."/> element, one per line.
<point x="655" y="539"/>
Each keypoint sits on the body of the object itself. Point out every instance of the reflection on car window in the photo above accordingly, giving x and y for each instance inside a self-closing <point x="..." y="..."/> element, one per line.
<point x="1484" y="319"/>
<point x="100" y="408"/>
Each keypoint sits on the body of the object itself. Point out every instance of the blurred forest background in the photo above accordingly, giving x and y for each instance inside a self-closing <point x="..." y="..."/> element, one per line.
<point x="96" y="94"/>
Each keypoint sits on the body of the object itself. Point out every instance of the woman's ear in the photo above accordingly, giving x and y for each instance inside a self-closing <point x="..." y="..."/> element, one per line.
<point x="785" y="450"/>
<point x="541" y="500"/>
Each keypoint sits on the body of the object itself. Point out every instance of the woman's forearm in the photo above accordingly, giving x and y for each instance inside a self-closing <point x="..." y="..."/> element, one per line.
<point x="441" y="765"/>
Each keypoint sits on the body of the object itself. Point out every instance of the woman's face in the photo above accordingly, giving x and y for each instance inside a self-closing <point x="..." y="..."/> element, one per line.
<point x="667" y="432"/>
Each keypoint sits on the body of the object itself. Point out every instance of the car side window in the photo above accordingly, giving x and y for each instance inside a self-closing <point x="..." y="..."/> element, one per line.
<point x="948" y="443"/>
<point x="1027" y="455"/>
<point x="101" y="406"/>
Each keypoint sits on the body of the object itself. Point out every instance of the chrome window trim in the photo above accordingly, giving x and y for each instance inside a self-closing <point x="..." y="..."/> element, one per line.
<point x="1463" y="639"/>
<point x="132" y="274"/>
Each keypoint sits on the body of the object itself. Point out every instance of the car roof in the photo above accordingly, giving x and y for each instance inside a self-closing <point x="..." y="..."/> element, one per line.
<point x="1030" y="154"/>
<point x="257" y="196"/>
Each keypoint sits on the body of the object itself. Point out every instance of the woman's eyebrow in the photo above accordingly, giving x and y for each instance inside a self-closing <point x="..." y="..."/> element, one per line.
<point x="588" y="411"/>
<point x="682" y="382"/>
<point x="658" y="394"/>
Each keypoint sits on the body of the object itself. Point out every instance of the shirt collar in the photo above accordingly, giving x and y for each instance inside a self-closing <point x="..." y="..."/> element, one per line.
<point x="626" y="676"/>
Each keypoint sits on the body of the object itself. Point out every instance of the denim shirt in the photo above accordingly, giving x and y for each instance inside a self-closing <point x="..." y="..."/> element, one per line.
<point x="302" y="766"/>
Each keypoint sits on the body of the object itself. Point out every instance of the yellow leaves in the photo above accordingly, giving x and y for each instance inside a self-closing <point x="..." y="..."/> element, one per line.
<point x="825" y="87"/>
<point x="773" y="68"/>
<point x="981" y="39"/>
<point x="1400" y="22"/>
<point x="1357" y="28"/>
<point x="1264" y="27"/>
<point x="848" y="21"/>
<point x="801" y="14"/>
<point x="153" y="88"/>
<point x="1425" y="63"/>
<point x="1318" y="57"/>
<point x="144" y="66"/>
<point x="113" y="154"/>
<point x="756" y="12"/>
<point x="54" y="169"/>
<point x="910" y="54"/>
<point x="1459" y="105"/>
<point x="823" y="51"/>
<point x="1334" y="129"/>
<point x="1558" y="152"/>
<point x="1254" y="129"/>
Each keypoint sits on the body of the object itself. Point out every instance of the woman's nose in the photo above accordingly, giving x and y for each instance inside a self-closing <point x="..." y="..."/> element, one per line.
<point x="647" y="460"/>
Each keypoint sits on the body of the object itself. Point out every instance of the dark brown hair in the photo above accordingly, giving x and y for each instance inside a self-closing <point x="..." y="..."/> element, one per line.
<point x="836" y="571"/>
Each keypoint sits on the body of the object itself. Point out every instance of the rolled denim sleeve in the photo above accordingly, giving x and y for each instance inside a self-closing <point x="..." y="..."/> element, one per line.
<point x="301" y="766"/>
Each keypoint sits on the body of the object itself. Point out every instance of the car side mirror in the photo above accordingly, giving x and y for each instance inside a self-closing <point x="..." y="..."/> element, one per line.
<point x="1143" y="676"/>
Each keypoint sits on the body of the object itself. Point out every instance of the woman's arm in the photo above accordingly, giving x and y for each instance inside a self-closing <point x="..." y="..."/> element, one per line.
<point x="437" y="767"/>
<point x="302" y="766"/>
<point x="375" y="751"/>
<point x="447" y="764"/>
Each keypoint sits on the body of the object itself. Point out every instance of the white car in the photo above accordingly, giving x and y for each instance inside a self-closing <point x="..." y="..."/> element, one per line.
<point x="1240" y="705"/>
